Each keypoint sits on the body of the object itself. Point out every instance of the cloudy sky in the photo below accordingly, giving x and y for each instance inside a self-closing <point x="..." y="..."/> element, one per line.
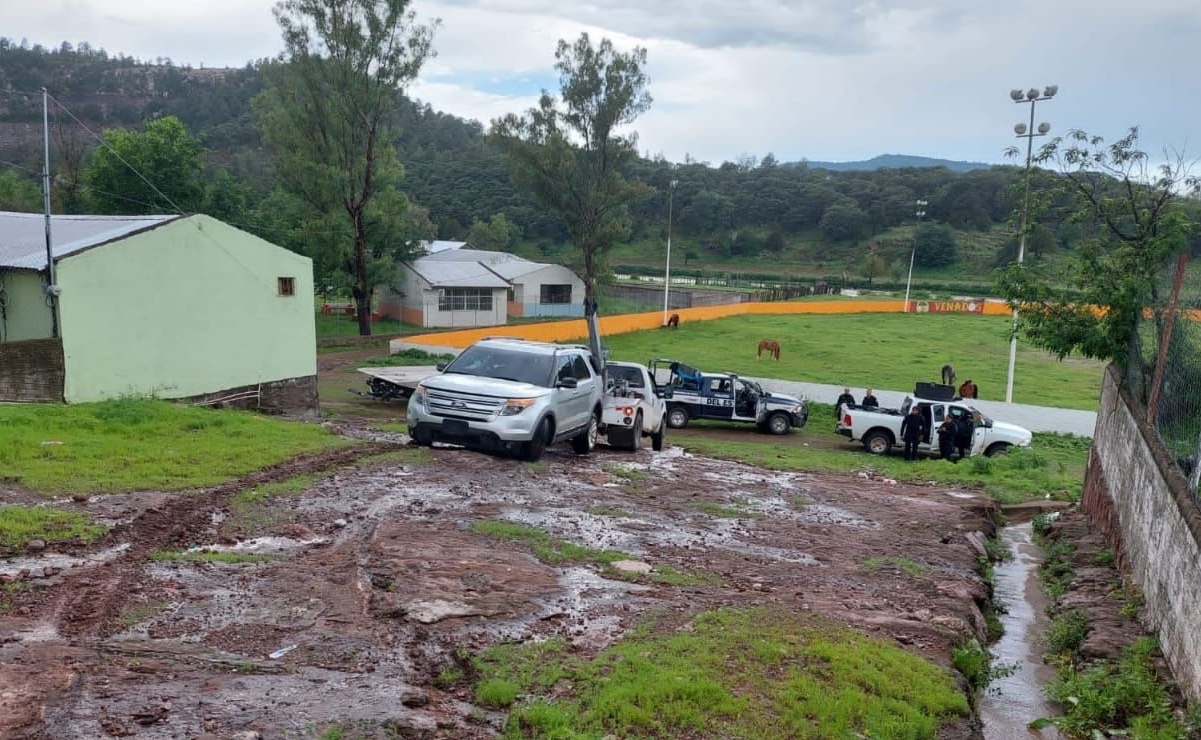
<point x="818" y="79"/>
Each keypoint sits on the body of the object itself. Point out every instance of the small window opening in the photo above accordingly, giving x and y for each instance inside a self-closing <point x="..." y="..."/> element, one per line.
<point x="287" y="286"/>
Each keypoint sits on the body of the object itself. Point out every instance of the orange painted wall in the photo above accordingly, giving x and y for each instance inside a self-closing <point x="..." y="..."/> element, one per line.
<point x="558" y="331"/>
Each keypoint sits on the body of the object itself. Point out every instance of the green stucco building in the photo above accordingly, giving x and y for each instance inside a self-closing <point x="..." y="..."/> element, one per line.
<point x="171" y="306"/>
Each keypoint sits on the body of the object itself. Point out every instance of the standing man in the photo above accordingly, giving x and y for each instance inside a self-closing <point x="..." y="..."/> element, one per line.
<point x="912" y="430"/>
<point x="869" y="400"/>
<point x="946" y="439"/>
<point x="963" y="435"/>
<point x="846" y="398"/>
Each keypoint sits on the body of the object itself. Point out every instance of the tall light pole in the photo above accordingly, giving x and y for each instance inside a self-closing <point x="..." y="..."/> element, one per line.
<point x="920" y="213"/>
<point x="671" y="191"/>
<point x="1027" y="132"/>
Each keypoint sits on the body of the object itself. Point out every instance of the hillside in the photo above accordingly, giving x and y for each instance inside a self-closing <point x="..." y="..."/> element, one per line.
<point x="808" y="218"/>
<point x="895" y="161"/>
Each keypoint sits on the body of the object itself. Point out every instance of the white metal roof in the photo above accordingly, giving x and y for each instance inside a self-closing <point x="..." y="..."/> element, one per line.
<point x="436" y="246"/>
<point x="474" y="255"/>
<point x="23" y="235"/>
<point x="440" y="274"/>
<point x="517" y="268"/>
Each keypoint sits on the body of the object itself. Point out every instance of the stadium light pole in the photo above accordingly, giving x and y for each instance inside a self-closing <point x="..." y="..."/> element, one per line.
<point x="671" y="191"/>
<point x="1027" y="132"/>
<point x="920" y="213"/>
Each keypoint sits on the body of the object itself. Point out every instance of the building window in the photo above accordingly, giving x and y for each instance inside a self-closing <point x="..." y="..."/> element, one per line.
<point x="465" y="299"/>
<point x="557" y="294"/>
<point x="287" y="286"/>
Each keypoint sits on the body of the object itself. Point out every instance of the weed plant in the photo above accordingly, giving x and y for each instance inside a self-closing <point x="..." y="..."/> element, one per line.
<point x="1122" y="697"/>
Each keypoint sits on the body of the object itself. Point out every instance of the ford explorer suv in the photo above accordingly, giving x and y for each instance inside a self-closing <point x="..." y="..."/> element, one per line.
<point x="504" y="394"/>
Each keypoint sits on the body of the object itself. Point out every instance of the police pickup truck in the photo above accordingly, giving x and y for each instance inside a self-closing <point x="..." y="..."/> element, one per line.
<point x="724" y="396"/>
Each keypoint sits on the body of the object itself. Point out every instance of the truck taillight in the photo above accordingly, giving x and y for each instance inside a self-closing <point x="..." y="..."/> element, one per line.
<point x="846" y="420"/>
<point x="628" y="411"/>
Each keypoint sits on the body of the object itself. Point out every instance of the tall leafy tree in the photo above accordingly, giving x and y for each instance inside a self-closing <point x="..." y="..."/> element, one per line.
<point x="934" y="245"/>
<point x="153" y="171"/>
<point x="330" y="115"/>
<point x="1137" y="221"/>
<point x="569" y="155"/>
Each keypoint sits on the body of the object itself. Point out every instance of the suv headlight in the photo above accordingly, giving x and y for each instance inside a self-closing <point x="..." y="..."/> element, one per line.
<point x="514" y="406"/>
<point x="419" y="395"/>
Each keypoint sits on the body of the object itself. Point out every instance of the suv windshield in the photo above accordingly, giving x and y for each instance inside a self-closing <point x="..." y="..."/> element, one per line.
<point x="505" y="364"/>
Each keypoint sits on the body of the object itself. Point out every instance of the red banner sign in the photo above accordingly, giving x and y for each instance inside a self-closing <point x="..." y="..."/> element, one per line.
<point x="971" y="305"/>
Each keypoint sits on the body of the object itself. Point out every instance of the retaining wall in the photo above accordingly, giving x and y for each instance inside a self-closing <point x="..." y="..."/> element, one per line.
<point x="1140" y="500"/>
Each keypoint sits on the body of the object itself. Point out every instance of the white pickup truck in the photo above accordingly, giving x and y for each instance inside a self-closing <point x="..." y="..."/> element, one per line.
<point x="631" y="408"/>
<point x="879" y="428"/>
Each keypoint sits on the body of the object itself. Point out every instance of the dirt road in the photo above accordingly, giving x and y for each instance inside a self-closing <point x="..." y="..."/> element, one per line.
<point x="372" y="582"/>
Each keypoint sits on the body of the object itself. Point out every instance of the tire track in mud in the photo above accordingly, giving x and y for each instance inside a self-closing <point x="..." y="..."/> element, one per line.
<point x="88" y="602"/>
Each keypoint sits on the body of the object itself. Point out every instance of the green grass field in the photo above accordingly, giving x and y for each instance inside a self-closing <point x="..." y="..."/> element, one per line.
<point x="143" y="444"/>
<point x="882" y="351"/>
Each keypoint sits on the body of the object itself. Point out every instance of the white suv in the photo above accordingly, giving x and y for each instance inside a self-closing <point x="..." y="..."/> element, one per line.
<point x="511" y="395"/>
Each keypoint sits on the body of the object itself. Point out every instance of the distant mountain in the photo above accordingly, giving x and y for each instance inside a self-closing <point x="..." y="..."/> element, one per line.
<point x="897" y="161"/>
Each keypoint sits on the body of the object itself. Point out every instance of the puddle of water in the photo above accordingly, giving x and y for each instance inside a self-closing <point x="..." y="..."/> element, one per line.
<point x="36" y="564"/>
<point x="263" y="545"/>
<point x="1011" y="703"/>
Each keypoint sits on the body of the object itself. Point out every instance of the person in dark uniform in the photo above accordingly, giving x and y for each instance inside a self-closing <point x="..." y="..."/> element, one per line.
<point x="963" y="435"/>
<point x="946" y="439"/>
<point x="913" y="428"/>
<point x="869" y="400"/>
<point x="846" y="398"/>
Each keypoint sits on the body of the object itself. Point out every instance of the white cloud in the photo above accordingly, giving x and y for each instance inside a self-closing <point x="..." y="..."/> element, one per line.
<point x="824" y="79"/>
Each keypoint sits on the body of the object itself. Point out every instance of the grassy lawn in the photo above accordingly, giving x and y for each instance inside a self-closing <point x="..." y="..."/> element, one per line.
<point x="20" y="524"/>
<point x="885" y="351"/>
<point x="1052" y="467"/>
<point x="763" y="673"/>
<point x="141" y="444"/>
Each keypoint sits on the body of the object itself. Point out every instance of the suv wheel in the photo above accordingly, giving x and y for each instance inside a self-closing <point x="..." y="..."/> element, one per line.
<point x="585" y="441"/>
<point x="532" y="450"/>
<point x="636" y="433"/>
<point x="421" y="437"/>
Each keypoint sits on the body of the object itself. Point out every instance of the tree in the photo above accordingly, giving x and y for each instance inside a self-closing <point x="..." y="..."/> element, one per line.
<point x="843" y="222"/>
<point x="934" y="245"/>
<point x="1138" y="222"/>
<point x="155" y="171"/>
<point x="19" y="193"/>
<point x="498" y="234"/>
<point x="872" y="266"/>
<point x="329" y="114"/>
<point x="567" y="155"/>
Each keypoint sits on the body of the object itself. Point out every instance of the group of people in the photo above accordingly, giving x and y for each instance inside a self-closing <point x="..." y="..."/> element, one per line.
<point x="954" y="435"/>
<point x="869" y="401"/>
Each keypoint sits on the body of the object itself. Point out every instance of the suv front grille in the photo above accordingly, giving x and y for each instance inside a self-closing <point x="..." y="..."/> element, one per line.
<point x="459" y="405"/>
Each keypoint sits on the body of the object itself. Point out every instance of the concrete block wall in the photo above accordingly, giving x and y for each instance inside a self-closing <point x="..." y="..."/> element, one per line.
<point x="31" y="370"/>
<point x="1139" y="498"/>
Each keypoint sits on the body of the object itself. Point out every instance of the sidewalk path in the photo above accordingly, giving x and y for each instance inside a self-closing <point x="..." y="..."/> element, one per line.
<point x="1034" y="418"/>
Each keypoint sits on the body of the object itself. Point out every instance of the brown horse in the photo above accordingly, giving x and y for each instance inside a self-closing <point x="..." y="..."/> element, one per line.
<point x="673" y="321"/>
<point x="771" y="346"/>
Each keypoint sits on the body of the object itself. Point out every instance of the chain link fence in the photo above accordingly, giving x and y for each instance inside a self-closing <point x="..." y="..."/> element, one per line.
<point x="1165" y="377"/>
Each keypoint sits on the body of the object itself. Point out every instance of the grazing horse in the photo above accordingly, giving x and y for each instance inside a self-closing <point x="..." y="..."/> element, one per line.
<point x="673" y="321"/>
<point x="948" y="374"/>
<point x="771" y="346"/>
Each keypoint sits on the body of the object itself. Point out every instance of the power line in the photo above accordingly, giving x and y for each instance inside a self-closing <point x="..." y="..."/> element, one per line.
<point x="116" y="154"/>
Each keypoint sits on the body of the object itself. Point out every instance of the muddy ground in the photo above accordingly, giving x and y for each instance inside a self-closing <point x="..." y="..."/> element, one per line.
<point x="375" y="581"/>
